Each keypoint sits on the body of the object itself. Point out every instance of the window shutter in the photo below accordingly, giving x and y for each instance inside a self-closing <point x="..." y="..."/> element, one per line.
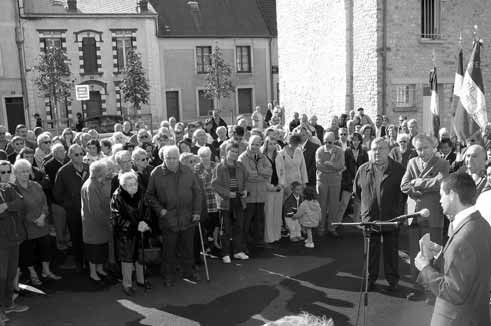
<point x="89" y="54"/>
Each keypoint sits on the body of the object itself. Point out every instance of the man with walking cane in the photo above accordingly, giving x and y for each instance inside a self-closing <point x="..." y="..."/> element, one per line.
<point x="174" y="194"/>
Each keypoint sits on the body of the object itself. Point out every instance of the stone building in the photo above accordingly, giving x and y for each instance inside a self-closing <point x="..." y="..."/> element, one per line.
<point x="96" y="36"/>
<point x="244" y="30"/>
<point x="342" y="54"/>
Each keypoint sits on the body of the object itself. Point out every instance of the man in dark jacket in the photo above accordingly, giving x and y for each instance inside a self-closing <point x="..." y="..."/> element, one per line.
<point x="309" y="149"/>
<point x="175" y="196"/>
<point x="377" y="186"/>
<point x="66" y="193"/>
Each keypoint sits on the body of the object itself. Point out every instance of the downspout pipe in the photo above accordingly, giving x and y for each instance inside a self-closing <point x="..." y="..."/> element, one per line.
<point x="19" y="40"/>
<point x="384" y="56"/>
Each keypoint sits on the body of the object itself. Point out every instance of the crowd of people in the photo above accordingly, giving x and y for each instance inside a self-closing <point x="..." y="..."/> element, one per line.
<point x="245" y="186"/>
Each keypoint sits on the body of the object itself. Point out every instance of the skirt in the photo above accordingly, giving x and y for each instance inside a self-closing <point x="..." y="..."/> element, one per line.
<point x="273" y="220"/>
<point x="97" y="253"/>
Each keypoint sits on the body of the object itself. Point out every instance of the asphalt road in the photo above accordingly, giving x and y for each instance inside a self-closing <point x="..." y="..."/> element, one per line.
<point x="286" y="279"/>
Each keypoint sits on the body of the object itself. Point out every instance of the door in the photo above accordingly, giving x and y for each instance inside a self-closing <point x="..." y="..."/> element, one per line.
<point x="93" y="107"/>
<point x="205" y="104"/>
<point x="245" y="100"/>
<point x="172" y="100"/>
<point x="14" y="107"/>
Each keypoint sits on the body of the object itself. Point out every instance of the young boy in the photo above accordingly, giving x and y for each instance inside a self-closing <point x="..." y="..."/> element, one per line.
<point x="290" y="207"/>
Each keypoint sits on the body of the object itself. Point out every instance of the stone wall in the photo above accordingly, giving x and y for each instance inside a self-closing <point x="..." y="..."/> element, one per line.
<point x="312" y="57"/>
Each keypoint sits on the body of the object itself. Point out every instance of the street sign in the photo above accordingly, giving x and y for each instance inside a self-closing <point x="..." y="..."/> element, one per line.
<point x="82" y="92"/>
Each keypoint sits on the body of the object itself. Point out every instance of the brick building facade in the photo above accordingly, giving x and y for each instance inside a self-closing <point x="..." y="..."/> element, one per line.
<point x="375" y="53"/>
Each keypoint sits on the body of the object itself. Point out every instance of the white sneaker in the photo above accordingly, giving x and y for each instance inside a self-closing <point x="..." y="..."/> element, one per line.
<point x="226" y="259"/>
<point x="241" y="255"/>
<point x="309" y="245"/>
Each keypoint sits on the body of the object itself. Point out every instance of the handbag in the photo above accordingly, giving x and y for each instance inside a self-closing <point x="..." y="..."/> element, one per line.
<point x="152" y="251"/>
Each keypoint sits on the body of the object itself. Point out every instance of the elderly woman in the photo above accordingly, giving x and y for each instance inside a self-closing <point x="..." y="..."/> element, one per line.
<point x="274" y="200"/>
<point x="140" y="166"/>
<point x="96" y="216"/>
<point x="94" y="152"/>
<point x="11" y="220"/>
<point x="129" y="217"/>
<point x="67" y="137"/>
<point x="123" y="160"/>
<point x="118" y="138"/>
<point x="35" y="214"/>
<point x="259" y="173"/>
<point x="204" y="170"/>
<point x="37" y="174"/>
<point x="293" y="161"/>
<point x="43" y="149"/>
<point x="403" y="153"/>
<point x="229" y="182"/>
<point x="392" y="136"/>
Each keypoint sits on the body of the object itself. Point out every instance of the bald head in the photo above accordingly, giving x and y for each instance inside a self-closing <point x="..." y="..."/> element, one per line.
<point x="329" y="138"/>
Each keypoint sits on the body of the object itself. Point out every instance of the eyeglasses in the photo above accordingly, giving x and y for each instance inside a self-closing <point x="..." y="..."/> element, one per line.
<point x="78" y="154"/>
<point x="342" y="134"/>
<point x="47" y="142"/>
<point x="329" y="142"/>
<point x="6" y="172"/>
<point x="402" y="141"/>
<point x="144" y="159"/>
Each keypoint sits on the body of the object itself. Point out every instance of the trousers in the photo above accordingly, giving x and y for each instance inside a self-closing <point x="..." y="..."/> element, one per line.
<point x="253" y="229"/>
<point x="391" y="255"/>
<point x="329" y="191"/>
<point x="9" y="261"/>
<point x="185" y="240"/>
<point x="232" y="222"/>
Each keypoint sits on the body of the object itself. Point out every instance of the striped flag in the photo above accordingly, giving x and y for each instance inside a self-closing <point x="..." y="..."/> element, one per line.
<point x="472" y="91"/>
<point x="463" y="124"/>
<point x="434" y="102"/>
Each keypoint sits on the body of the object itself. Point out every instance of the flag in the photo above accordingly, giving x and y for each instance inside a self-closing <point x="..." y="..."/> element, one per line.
<point x="434" y="102"/>
<point x="472" y="90"/>
<point x="463" y="124"/>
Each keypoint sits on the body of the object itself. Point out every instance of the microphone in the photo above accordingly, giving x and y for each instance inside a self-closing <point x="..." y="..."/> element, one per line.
<point x="424" y="213"/>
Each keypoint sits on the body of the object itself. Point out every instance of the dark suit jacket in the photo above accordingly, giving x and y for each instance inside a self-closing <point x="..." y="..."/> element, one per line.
<point x="460" y="280"/>
<point x="352" y="166"/>
<point x="426" y="194"/>
<point x="391" y="204"/>
<point x="309" y="155"/>
<point x="68" y="183"/>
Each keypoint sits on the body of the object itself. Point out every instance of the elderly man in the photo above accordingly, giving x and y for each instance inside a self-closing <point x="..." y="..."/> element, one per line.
<point x="309" y="149"/>
<point x="483" y="203"/>
<point x="3" y="140"/>
<point x="412" y="126"/>
<point x="379" y="129"/>
<point x="259" y="173"/>
<point x="364" y="119"/>
<point x="475" y="166"/>
<point x="174" y="194"/>
<point x="66" y="193"/>
<point x="377" y="186"/>
<point x="329" y="161"/>
<point x="16" y="144"/>
<point x="43" y="149"/>
<point x="459" y="277"/>
<point x="20" y="131"/>
<point x="319" y="130"/>
<point x="295" y="121"/>
<point x="421" y="183"/>
<point x="237" y="136"/>
<point x="343" y="138"/>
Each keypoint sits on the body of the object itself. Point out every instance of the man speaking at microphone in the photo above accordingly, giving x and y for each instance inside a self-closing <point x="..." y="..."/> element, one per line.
<point x="459" y="277"/>
<point x="421" y="183"/>
<point x="377" y="186"/>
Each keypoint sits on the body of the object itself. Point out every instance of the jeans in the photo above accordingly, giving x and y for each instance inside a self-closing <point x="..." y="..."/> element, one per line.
<point x="232" y="222"/>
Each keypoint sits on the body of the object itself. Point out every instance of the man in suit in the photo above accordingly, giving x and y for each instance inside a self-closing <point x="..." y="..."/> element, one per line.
<point x="377" y="186"/>
<point x="421" y="183"/>
<point x="459" y="277"/>
<point x="309" y="149"/>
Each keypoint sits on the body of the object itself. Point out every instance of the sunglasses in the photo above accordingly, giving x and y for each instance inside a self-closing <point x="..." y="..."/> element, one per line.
<point x="6" y="172"/>
<point x="343" y="134"/>
<point x="403" y="141"/>
<point x="144" y="159"/>
<point x="78" y="154"/>
<point x="47" y="142"/>
<point x="329" y="142"/>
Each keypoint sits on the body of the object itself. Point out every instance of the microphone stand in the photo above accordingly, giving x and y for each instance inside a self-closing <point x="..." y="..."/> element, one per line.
<point x="368" y="228"/>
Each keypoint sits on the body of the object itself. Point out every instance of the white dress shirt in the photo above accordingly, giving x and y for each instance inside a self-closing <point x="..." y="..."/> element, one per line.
<point x="483" y="205"/>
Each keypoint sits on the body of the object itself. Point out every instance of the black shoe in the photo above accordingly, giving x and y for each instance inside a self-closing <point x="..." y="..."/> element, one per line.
<point x="146" y="285"/>
<point x="129" y="291"/>
<point x="393" y="287"/>
<point x="333" y="234"/>
<point x="99" y="284"/>
<point x="416" y="296"/>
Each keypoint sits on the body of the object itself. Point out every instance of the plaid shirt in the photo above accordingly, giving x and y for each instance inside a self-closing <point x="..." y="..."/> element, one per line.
<point x="205" y="176"/>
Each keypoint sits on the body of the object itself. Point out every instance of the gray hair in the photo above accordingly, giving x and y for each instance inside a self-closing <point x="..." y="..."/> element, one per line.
<point x="402" y="136"/>
<point x="205" y="150"/>
<point x="122" y="154"/>
<point x="422" y="137"/>
<point x="72" y="148"/>
<point x="380" y="140"/>
<point x="97" y="169"/>
<point x="138" y="151"/>
<point x="164" y="151"/>
<point x="42" y="137"/>
<point x="124" y="177"/>
<point x="56" y="147"/>
<point x="21" y="163"/>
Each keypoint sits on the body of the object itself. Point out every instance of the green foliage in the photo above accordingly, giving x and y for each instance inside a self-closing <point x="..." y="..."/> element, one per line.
<point x="134" y="85"/>
<point x="219" y="78"/>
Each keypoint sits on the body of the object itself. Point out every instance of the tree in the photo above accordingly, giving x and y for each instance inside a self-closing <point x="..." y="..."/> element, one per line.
<point x="219" y="79"/>
<point x="134" y="85"/>
<point x="53" y="79"/>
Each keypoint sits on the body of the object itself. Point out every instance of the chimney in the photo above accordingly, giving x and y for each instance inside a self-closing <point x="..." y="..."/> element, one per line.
<point x="143" y="6"/>
<point x="72" y="5"/>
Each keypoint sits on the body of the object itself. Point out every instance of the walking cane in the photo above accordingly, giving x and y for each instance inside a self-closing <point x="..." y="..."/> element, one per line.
<point x="143" y="260"/>
<point x="204" y="252"/>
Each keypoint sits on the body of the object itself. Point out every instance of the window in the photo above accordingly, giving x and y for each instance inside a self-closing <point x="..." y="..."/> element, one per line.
<point x="404" y="95"/>
<point x="52" y="43"/>
<point x="244" y="96"/>
<point x="89" y="51"/>
<point x="205" y="105"/>
<point x="243" y="58"/>
<point x="203" y="59"/>
<point x="430" y="19"/>
<point x="123" y="45"/>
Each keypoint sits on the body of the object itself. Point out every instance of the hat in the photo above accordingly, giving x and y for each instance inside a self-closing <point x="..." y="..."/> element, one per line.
<point x="360" y="109"/>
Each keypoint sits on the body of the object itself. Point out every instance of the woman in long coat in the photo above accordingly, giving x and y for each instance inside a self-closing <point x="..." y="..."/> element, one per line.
<point x="129" y="216"/>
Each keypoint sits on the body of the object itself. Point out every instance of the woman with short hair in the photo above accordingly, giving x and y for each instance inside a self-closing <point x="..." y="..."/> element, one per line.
<point x="129" y="218"/>
<point x="93" y="151"/>
<point x="293" y="162"/>
<point x="367" y="133"/>
<point x="96" y="220"/>
<point x="35" y="215"/>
